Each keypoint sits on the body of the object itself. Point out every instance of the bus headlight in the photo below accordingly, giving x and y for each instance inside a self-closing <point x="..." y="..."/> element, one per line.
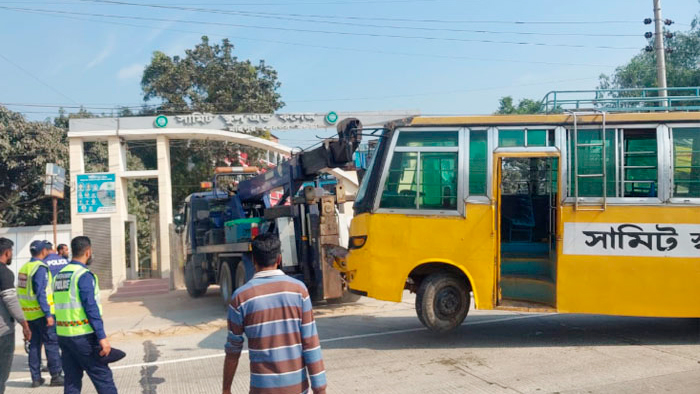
<point x="357" y="241"/>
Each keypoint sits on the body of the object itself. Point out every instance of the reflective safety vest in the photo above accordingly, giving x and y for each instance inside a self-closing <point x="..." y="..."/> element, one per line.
<point x="71" y="319"/>
<point x="26" y="292"/>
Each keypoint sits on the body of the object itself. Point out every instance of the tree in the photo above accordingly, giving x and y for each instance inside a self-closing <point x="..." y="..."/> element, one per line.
<point x="208" y="79"/>
<point x="525" y="106"/>
<point x="25" y="148"/>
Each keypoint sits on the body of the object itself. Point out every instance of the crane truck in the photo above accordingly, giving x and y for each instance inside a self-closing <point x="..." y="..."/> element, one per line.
<point x="219" y="224"/>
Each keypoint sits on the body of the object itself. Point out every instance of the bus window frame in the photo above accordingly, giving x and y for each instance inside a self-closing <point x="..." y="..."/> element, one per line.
<point x="671" y="164"/>
<point x="479" y="198"/>
<point x="550" y="129"/>
<point x="662" y="160"/>
<point x="460" y="150"/>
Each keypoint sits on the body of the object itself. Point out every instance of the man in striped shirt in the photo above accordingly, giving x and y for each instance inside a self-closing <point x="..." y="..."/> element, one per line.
<point x="274" y="312"/>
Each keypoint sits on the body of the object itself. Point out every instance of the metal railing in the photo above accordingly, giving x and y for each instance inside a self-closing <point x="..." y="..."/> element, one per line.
<point x="623" y="100"/>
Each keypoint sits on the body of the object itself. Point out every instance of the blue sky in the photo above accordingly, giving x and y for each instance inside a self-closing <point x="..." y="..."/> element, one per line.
<point x="69" y="59"/>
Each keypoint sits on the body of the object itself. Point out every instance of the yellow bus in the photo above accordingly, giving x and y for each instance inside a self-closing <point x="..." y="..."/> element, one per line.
<point x="579" y="212"/>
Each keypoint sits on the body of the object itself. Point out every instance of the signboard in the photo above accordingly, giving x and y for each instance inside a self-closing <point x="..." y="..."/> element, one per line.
<point x="55" y="180"/>
<point x="628" y="239"/>
<point x="95" y="193"/>
<point x="247" y="123"/>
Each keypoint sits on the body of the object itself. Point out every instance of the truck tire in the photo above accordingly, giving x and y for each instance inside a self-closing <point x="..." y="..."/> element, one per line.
<point x="347" y="298"/>
<point x="442" y="302"/>
<point x="194" y="280"/>
<point x="240" y="278"/>
<point x="226" y="283"/>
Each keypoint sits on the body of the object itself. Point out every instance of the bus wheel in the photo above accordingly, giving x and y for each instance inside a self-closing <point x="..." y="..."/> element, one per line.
<point x="442" y="302"/>
<point x="226" y="283"/>
<point x="193" y="280"/>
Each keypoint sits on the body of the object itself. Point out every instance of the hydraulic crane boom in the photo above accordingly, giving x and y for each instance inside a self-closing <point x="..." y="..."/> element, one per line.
<point x="306" y="165"/>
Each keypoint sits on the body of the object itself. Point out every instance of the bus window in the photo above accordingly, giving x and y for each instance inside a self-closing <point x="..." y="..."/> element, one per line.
<point x="423" y="172"/>
<point x="400" y="186"/>
<point x="438" y="181"/>
<point x="686" y="162"/>
<point x="640" y="164"/>
<point x="478" y="148"/>
<point x="508" y="138"/>
<point x="524" y="137"/>
<point x="428" y="139"/>
<point x="589" y="162"/>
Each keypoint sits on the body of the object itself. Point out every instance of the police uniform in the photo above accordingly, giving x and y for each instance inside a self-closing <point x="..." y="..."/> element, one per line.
<point x="36" y="298"/>
<point x="56" y="262"/>
<point x="80" y="328"/>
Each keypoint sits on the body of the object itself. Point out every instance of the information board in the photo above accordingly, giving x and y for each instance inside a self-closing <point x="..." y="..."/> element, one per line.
<point x="55" y="180"/>
<point x="96" y="193"/>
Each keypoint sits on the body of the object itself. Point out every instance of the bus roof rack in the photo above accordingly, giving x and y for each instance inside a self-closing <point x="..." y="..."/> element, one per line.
<point x="622" y="100"/>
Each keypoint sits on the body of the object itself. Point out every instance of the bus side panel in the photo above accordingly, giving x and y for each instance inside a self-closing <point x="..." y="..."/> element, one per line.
<point x="630" y="285"/>
<point x="397" y="244"/>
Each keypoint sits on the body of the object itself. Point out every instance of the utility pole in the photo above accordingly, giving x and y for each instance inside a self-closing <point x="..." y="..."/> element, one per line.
<point x="660" y="52"/>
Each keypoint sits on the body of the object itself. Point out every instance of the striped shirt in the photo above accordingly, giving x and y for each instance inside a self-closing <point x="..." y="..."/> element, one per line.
<point x="274" y="312"/>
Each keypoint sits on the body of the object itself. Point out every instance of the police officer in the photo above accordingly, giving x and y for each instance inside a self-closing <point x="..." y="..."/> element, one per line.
<point x="55" y="260"/>
<point x="36" y="298"/>
<point x="62" y="250"/>
<point x="79" y="323"/>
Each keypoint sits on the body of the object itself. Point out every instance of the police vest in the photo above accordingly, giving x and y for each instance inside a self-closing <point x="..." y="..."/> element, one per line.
<point x="27" y="294"/>
<point x="71" y="319"/>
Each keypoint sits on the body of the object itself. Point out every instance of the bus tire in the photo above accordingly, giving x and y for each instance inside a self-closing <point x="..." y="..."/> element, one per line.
<point x="226" y="283"/>
<point x="442" y="302"/>
<point x="193" y="280"/>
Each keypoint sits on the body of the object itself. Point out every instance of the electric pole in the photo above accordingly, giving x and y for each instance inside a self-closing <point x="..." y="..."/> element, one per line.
<point x="660" y="52"/>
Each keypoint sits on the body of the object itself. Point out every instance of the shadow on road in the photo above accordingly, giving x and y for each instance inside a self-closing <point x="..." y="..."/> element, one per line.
<point x="498" y="331"/>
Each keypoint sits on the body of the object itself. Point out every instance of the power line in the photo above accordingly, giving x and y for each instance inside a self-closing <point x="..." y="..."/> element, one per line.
<point x="420" y="28"/>
<point x="517" y="22"/>
<point x="334" y="20"/>
<point x="331" y="32"/>
<point x="326" y="47"/>
<point x="36" y="78"/>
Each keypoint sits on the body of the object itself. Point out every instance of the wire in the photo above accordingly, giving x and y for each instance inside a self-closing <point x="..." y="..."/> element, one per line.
<point x="210" y="10"/>
<point x="37" y="78"/>
<point x="454" y="57"/>
<point x="354" y="23"/>
<point x="331" y="32"/>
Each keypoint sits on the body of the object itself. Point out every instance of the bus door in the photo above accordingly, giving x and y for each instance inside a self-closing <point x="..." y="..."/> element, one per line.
<point x="527" y="200"/>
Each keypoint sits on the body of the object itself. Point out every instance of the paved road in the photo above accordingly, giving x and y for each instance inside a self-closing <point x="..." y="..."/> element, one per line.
<point x="382" y="348"/>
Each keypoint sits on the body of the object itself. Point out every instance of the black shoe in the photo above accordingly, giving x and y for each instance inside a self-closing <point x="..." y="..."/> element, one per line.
<point x="44" y="368"/>
<point x="57" y="380"/>
<point x="38" y="383"/>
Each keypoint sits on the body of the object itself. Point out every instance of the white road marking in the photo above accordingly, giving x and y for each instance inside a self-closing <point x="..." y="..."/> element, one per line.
<point x="344" y="338"/>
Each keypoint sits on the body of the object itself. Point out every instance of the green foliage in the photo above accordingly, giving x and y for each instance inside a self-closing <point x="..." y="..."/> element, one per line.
<point x="25" y="148"/>
<point x="208" y="79"/>
<point x="525" y="106"/>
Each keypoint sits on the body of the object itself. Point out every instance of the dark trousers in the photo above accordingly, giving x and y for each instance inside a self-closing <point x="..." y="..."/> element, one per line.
<point x="80" y="354"/>
<point x="43" y="336"/>
<point x="7" y="352"/>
